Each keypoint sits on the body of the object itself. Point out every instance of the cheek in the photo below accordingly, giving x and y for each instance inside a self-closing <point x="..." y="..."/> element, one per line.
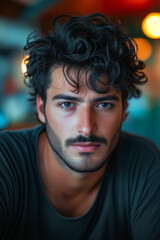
<point x="111" y="122"/>
<point x="113" y="131"/>
<point x="110" y="127"/>
<point x="115" y="121"/>
<point x="61" y="126"/>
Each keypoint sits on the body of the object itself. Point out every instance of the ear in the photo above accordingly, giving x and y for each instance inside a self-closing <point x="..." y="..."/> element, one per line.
<point x="125" y="114"/>
<point x="40" y="109"/>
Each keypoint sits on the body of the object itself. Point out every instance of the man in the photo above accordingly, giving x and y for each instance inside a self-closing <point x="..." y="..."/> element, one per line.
<point x="77" y="176"/>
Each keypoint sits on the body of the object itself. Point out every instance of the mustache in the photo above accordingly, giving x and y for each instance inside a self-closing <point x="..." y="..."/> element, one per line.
<point x="81" y="138"/>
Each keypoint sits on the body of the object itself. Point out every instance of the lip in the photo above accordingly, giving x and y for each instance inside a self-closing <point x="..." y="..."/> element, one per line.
<point x="86" y="147"/>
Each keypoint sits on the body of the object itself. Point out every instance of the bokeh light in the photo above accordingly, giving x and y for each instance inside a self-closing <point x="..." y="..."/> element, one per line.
<point x="151" y="25"/>
<point x="24" y="64"/>
<point x="144" y="48"/>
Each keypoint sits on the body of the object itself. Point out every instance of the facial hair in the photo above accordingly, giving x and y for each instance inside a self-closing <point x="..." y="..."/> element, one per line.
<point x="64" y="160"/>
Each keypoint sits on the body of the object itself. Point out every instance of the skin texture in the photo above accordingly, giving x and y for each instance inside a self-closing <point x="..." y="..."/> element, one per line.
<point x="82" y="129"/>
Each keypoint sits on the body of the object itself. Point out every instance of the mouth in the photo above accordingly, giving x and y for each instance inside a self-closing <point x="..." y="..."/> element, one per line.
<point x="86" y="147"/>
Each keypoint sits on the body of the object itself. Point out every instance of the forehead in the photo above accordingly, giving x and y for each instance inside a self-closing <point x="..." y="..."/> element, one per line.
<point x="59" y="83"/>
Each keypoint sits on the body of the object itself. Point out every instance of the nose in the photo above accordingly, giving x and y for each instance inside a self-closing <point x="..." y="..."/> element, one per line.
<point x="86" y="121"/>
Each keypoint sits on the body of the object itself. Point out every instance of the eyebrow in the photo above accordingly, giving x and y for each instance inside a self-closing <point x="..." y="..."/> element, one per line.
<point x="66" y="97"/>
<point x="77" y="99"/>
<point x="106" y="98"/>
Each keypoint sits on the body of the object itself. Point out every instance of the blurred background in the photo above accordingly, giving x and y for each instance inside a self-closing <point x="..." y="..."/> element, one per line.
<point x="18" y="18"/>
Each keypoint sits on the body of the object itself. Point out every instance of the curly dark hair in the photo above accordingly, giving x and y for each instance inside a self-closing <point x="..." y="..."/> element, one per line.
<point x="89" y="43"/>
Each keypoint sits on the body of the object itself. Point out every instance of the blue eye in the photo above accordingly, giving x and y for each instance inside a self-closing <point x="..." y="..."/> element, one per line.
<point x="66" y="105"/>
<point x="105" y="105"/>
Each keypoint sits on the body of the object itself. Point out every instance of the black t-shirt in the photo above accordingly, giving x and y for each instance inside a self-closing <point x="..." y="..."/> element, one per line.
<point x="127" y="205"/>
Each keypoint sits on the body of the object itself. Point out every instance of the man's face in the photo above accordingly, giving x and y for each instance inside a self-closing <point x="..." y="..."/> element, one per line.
<point x="82" y="128"/>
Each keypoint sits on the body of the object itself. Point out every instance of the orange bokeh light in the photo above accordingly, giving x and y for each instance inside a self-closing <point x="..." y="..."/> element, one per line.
<point x="144" y="48"/>
<point x="151" y="25"/>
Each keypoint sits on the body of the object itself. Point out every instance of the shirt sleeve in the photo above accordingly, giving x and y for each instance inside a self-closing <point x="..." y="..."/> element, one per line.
<point x="146" y="219"/>
<point x="4" y="197"/>
<point x="8" y="191"/>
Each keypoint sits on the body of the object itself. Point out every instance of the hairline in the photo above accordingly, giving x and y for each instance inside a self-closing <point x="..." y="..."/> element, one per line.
<point x="63" y="65"/>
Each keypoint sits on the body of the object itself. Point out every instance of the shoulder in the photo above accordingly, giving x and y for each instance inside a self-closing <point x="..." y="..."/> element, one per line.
<point x="20" y="132"/>
<point x="17" y="146"/>
<point x="17" y="137"/>
<point x="17" y="170"/>
<point x="17" y="154"/>
<point x="135" y="152"/>
<point x="142" y="178"/>
<point x="131" y="142"/>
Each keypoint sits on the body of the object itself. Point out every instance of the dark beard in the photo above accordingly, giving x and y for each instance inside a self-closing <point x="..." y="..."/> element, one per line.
<point x="57" y="149"/>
